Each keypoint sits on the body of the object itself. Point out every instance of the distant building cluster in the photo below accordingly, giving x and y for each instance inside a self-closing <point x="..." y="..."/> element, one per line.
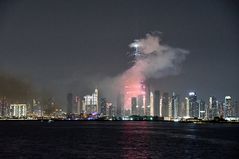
<point x="155" y="104"/>
<point x="170" y="107"/>
<point x="148" y="104"/>
<point x="30" y="109"/>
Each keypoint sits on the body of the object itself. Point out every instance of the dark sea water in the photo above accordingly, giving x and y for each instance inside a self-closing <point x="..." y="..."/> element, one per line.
<point x="117" y="139"/>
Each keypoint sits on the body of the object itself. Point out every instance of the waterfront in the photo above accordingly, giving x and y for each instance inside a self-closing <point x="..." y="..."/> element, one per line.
<point x="117" y="139"/>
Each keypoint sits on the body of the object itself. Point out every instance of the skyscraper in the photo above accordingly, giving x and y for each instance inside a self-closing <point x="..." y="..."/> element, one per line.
<point x="78" y="105"/>
<point x="213" y="107"/>
<point x="119" y="105"/>
<point x="103" y="106"/>
<point x="202" y="108"/>
<point x="193" y="105"/>
<point x="156" y="103"/>
<point x="228" y="106"/>
<point x="141" y="102"/>
<point x="69" y="103"/>
<point x="134" y="106"/>
<point x="151" y="103"/>
<point x="175" y="105"/>
<point x="91" y="103"/>
<point x="165" y="105"/>
<point x="187" y="107"/>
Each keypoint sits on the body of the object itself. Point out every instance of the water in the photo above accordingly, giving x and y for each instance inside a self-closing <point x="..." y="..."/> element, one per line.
<point x="117" y="139"/>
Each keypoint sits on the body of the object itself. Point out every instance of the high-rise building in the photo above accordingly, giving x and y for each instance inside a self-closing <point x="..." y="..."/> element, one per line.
<point x="119" y="105"/>
<point x="133" y="88"/>
<point x="109" y="109"/>
<point x="91" y="103"/>
<point x="228" y="106"/>
<point x="134" y="106"/>
<point x="151" y="103"/>
<point x="175" y="105"/>
<point x="221" y="108"/>
<point x="165" y="105"/>
<point x="147" y="99"/>
<point x="236" y="108"/>
<point x="202" y="109"/>
<point x="141" y="105"/>
<point x="78" y="105"/>
<point x="156" y="103"/>
<point x="4" y="107"/>
<point x="187" y="107"/>
<point x="103" y="106"/>
<point x="18" y="110"/>
<point x="213" y="107"/>
<point x="193" y="105"/>
<point x="69" y="103"/>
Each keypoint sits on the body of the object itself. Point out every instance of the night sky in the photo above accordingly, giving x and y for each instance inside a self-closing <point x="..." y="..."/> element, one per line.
<point x="67" y="46"/>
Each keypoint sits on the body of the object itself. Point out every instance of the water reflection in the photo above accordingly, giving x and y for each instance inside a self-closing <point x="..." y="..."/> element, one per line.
<point x="135" y="140"/>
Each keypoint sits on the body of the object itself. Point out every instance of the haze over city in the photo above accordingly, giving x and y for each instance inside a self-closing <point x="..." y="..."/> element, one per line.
<point x="119" y="79"/>
<point x="61" y="47"/>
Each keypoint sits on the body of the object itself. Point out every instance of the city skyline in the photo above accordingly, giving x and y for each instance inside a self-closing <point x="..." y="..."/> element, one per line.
<point x="35" y="44"/>
<point x="121" y="79"/>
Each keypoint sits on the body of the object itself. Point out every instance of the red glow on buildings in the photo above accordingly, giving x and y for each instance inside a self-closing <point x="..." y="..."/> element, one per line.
<point x="133" y="88"/>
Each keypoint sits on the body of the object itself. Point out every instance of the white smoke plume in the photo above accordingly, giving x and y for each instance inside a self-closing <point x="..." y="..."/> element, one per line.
<point x="156" y="60"/>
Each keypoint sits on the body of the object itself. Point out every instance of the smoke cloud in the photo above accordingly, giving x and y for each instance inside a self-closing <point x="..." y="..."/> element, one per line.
<point x="157" y="60"/>
<point x="152" y="60"/>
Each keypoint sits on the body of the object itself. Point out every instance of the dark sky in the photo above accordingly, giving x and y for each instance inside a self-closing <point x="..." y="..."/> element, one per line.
<point x="64" y="46"/>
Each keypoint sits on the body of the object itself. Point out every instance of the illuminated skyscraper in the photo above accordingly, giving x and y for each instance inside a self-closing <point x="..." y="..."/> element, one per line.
<point x="193" y="105"/>
<point x="213" y="107"/>
<point x="202" y="109"/>
<point x="228" y="106"/>
<point x="133" y="88"/>
<point x="18" y="110"/>
<point x="236" y="109"/>
<point x="151" y="105"/>
<point x="175" y="105"/>
<point x="187" y="107"/>
<point x="156" y="103"/>
<point x="91" y="102"/>
<point x="4" y="107"/>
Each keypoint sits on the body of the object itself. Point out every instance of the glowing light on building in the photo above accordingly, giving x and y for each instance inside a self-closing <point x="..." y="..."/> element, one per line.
<point x="91" y="103"/>
<point x="18" y="110"/>
<point x="133" y="89"/>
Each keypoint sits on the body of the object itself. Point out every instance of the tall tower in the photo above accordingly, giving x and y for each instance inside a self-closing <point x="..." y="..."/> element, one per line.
<point x="91" y="102"/>
<point x="103" y="106"/>
<point x="151" y="106"/>
<point x="175" y="105"/>
<point x="141" y="104"/>
<point x="134" y="106"/>
<point x="96" y="99"/>
<point x="69" y="103"/>
<point x="119" y="105"/>
<point x="187" y="107"/>
<point x="156" y="103"/>
<point x="228" y="106"/>
<point x="78" y="106"/>
<point x="213" y="107"/>
<point x="165" y="105"/>
<point x="202" y="109"/>
<point x="193" y="105"/>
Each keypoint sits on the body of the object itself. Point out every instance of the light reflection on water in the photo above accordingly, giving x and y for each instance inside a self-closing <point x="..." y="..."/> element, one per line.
<point x="135" y="139"/>
<point x="135" y="142"/>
